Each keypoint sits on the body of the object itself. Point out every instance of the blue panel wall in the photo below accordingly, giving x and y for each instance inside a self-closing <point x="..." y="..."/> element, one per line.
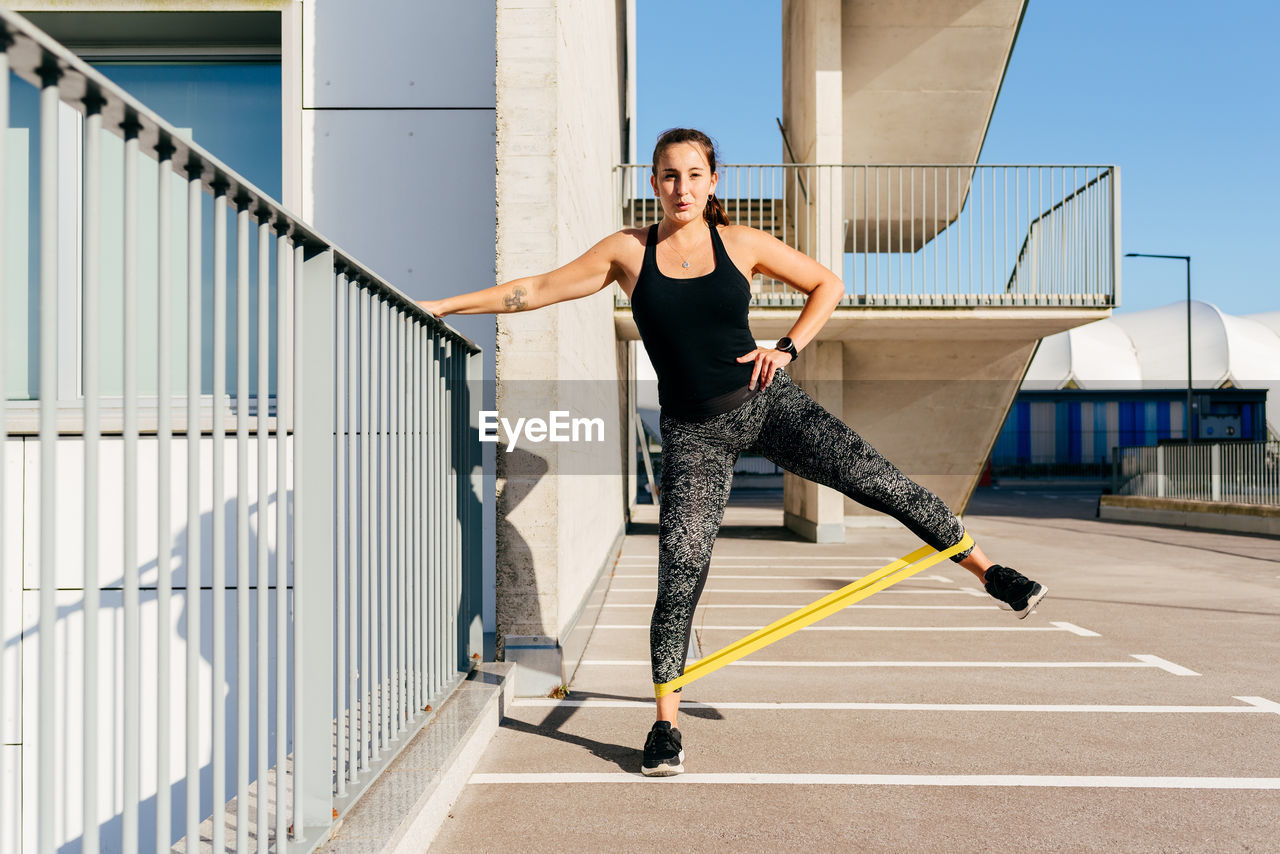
<point x="1101" y="438"/>
<point x="1024" y="431"/>
<point x="1074" y="436"/>
<point x="1059" y="428"/>
<point x="1130" y="422"/>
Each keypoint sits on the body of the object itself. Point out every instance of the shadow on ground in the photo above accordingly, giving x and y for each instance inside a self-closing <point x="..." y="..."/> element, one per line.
<point x="626" y="757"/>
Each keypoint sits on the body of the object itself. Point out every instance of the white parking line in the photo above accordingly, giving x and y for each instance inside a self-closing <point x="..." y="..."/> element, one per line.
<point x="1056" y="627"/>
<point x="1255" y="705"/>
<point x="1163" y="664"/>
<point x="1075" y="630"/>
<point x="1141" y="661"/>
<point x="1262" y="703"/>
<point x="1018" y="780"/>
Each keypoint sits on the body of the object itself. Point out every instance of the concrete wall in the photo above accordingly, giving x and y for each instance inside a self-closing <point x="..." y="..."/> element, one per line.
<point x="933" y="405"/>
<point x="813" y="117"/>
<point x="590" y="104"/>
<point x="811" y="79"/>
<point x="921" y="78"/>
<point x="560" y="119"/>
<point x="1179" y="513"/>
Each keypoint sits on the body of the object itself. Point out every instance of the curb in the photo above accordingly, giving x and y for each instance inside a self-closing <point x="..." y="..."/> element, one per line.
<point x="405" y="808"/>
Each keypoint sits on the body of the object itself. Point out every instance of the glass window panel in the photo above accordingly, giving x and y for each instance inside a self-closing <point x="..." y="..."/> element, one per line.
<point x="232" y="109"/>
<point x="21" y="274"/>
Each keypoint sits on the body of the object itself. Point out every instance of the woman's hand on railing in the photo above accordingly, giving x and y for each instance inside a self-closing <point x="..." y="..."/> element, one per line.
<point x="434" y="306"/>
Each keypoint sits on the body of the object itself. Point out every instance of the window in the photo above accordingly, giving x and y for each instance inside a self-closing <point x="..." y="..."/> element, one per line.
<point x="224" y="95"/>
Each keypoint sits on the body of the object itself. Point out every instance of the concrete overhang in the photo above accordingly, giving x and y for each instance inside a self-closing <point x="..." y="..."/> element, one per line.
<point x="169" y="26"/>
<point x="856" y="323"/>
<point x="921" y="77"/>
<point x="919" y="84"/>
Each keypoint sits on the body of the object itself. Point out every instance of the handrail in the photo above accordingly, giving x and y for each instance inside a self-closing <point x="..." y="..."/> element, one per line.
<point x="1239" y="471"/>
<point x="1026" y="241"/>
<point x="921" y="234"/>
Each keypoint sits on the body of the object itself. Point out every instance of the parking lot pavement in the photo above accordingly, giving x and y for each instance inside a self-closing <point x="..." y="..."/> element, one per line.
<point x="1138" y="709"/>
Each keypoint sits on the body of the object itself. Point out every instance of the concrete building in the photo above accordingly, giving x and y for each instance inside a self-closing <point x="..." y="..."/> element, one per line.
<point x="861" y="86"/>
<point x="1123" y="381"/>
<point x="925" y="371"/>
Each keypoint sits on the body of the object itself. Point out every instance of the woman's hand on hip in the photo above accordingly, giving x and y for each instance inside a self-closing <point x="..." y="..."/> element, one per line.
<point x="767" y="361"/>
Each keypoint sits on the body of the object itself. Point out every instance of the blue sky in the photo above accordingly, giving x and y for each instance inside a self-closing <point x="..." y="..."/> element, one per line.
<point x="1180" y="95"/>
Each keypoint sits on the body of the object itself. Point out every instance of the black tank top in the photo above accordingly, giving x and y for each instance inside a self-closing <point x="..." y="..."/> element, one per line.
<point x="694" y="330"/>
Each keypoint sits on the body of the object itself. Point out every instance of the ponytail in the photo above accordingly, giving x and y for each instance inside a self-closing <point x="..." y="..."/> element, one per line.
<point x="714" y="211"/>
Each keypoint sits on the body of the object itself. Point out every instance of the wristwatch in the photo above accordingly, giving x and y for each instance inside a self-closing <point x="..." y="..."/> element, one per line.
<point x="786" y="345"/>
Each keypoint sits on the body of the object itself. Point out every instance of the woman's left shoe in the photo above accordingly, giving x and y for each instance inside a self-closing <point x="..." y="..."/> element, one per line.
<point x="663" y="751"/>
<point x="1014" y="590"/>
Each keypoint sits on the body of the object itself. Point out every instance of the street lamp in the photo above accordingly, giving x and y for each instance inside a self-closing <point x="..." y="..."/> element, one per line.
<point x="1186" y="258"/>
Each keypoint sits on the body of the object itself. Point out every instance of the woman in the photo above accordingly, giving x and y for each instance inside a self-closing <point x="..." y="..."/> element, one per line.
<point x="688" y="281"/>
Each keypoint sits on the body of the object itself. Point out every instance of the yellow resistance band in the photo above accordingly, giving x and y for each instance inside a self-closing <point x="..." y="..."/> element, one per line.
<point x="886" y="576"/>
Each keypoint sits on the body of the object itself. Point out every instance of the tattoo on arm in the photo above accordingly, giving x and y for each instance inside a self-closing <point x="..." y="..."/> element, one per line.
<point x="515" y="301"/>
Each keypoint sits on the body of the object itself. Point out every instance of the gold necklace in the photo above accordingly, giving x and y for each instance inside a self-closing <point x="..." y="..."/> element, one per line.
<point x="682" y="257"/>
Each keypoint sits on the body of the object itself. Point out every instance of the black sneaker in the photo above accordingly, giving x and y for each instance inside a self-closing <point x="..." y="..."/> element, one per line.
<point x="1014" y="590"/>
<point x="662" y="752"/>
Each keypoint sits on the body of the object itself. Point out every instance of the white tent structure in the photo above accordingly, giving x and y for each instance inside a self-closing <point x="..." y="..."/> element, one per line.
<point x="1148" y="350"/>
<point x="1270" y="319"/>
<point x="1095" y="356"/>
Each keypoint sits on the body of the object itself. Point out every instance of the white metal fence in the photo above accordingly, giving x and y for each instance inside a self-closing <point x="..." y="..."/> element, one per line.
<point x="1238" y="472"/>
<point x="924" y="234"/>
<point x="227" y="651"/>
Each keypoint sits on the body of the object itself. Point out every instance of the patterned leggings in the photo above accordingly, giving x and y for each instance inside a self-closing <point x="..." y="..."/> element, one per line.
<point x="785" y="425"/>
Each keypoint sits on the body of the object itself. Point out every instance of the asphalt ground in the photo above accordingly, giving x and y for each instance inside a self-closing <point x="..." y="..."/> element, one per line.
<point x="1138" y="709"/>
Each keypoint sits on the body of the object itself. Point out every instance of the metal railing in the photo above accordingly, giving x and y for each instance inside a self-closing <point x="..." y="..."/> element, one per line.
<point x="1236" y="472"/>
<point x="340" y="578"/>
<point x="924" y="234"/>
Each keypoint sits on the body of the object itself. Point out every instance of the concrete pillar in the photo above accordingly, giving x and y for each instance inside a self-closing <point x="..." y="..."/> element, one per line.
<point x="812" y="110"/>
<point x="560" y="518"/>
<point x="813" y="511"/>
